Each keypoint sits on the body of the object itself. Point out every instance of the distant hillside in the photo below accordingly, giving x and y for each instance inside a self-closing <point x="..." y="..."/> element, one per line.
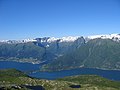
<point x="97" y="53"/>
<point x="12" y="79"/>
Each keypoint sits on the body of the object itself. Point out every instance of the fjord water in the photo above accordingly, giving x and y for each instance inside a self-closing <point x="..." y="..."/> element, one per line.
<point x="26" y="67"/>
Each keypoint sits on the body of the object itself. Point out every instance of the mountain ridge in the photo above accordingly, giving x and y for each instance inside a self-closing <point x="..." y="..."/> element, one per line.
<point x="115" y="37"/>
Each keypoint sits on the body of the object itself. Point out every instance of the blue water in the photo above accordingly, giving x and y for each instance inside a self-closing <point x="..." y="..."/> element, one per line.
<point x="110" y="74"/>
<point x="113" y="75"/>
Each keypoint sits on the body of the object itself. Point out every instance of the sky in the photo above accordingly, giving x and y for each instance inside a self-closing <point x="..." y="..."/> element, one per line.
<point x="20" y="19"/>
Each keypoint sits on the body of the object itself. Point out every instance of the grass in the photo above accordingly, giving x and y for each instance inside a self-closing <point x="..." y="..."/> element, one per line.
<point x="11" y="77"/>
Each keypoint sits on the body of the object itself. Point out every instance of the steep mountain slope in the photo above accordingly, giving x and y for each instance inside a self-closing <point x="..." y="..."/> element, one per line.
<point x="96" y="53"/>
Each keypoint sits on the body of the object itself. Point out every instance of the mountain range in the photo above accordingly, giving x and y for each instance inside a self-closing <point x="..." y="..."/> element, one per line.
<point x="115" y="37"/>
<point x="98" y="51"/>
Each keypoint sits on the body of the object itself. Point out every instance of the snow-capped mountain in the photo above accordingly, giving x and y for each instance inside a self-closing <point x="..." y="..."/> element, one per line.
<point x="42" y="40"/>
<point x="63" y="39"/>
<point x="18" y="41"/>
<point x="115" y="37"/>
<point x="109" y="36"/>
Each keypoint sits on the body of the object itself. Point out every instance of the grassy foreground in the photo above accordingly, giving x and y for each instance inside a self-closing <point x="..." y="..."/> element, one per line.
<point x="12" y="79"/>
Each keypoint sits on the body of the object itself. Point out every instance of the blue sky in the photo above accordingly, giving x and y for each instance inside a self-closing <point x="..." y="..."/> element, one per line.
<point x="21" y="19"/>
